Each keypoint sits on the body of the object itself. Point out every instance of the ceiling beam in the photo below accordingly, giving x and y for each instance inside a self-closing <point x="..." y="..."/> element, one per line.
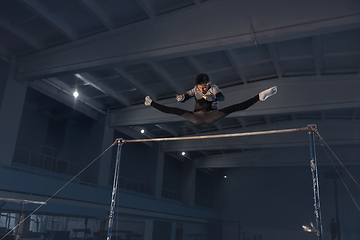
<point x="241" y="121"/>
<point x="232" y="58"/>
<point x="5" y="54"/>
<point x="318" y="54"/>
<point x="322" y="114"/>
<point x="341" y="71"/>
<point x="275" y="59"/>
<point x="164" y="40"/>
<point x="154" y="66"/>
<point x="197" y="65"/>
<point x="133" y="81"/>
<point x="218" y="126"/>
<point x="64" y="98"/>
<point x="20" y="33"/>
<point x="178" y="156"/>
<point x="147" y="7"/>
<point x="342" y="54"/>
<point x="167" y="129"/>
<point x="192" y="127"/>
<point x="277" y="157"/>
<point x="42" y="11"/>
<point x="146" y="133"/>
<point x="86" y="77"/>
<point x="96" y="11"/>
<point x="354" y="113"/>
<point x="297" y="57"/>
<point x="192" y="66"/>
<point x="4" y="58"/>
<point x="56" y="83"/>
<point x="267" y="119"/>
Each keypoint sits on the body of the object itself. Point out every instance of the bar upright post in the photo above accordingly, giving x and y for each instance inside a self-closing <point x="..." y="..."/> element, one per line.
<point x="114" y="190"/>
<point x="313" y="164"/>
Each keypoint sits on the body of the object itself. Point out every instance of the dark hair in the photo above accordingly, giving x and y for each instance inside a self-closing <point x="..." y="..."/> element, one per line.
<point x="202" y="78"/>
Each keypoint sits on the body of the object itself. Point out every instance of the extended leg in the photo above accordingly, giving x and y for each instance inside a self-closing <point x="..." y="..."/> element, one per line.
<point x="211" y="117"/>
<point x="197" y="119"/>
<point x="240" y="106"/>
<point x="262" y="96"/>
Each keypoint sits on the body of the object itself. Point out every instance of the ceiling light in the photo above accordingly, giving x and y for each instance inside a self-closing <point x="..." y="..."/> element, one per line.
<point x="183" y="153"/>
<point x="142" y="131"/>
<point x="225" y="176"/>
<point x="75" y="94"/>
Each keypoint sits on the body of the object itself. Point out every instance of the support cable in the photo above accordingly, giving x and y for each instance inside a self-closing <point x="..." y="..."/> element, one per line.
<point x="20" y="222"/>
<point x="342" y="180"/>
<point x="323" y="144"/>
<point x="322" y="140"/>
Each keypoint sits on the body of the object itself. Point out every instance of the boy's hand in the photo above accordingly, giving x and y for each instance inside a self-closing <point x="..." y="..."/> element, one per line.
<point x="180" y="98"/>
<point x="209" y="97"/>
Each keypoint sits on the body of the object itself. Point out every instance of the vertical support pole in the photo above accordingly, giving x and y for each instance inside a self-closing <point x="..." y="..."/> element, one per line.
<point x="114" y="191"/>
<point x="313" y="164"/>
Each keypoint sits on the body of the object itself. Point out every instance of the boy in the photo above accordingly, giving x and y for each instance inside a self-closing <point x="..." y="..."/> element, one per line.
<point x="206" y="97"/>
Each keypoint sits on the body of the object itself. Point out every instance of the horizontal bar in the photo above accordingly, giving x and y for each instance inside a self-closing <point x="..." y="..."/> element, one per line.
<point x="20" y="201"/>
<point x="216" y="136"/>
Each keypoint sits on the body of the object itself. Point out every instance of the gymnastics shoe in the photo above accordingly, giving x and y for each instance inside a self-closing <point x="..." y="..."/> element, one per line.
<point x="267" y="93"/>
<point x="148" y="101"/>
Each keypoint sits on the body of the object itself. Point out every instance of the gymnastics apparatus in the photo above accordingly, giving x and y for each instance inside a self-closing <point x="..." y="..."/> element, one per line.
<point x="313" y="163"/>
<point x="311" y="129"/>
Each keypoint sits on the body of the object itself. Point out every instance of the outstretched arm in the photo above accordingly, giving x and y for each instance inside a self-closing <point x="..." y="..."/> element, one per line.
<point x="220" y="96"/>
<point x="183" y="97"/>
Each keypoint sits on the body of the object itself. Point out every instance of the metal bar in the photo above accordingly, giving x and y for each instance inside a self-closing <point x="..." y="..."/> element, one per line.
<point x="20" y="200"/>
<point x="114" y="191"/>
<point x="313" y="164"/>
<point x="214" y="136"/>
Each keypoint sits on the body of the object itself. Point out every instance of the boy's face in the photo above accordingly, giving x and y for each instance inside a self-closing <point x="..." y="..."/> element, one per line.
<point x="204" y="87"/>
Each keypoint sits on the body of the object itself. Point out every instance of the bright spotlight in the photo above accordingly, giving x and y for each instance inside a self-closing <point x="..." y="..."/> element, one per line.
<point x="75" y="94"/>
<point x="183" y="153"/>
<point x="142" y="131"/>
<point x="225" y="176"/>
<point x="306" y="228"/>
<point x="310" y="228"/>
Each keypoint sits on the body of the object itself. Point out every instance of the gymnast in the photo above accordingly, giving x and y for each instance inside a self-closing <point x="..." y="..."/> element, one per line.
<point x="206" y="97"/>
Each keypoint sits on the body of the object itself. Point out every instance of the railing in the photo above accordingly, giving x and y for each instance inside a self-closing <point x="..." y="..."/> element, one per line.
<point x="203" y="202"/>
<point x="38" y="160"/>
<point x="167" y="193"/>
<point x="46" y="174"/>
<point x="134" y="185"/>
